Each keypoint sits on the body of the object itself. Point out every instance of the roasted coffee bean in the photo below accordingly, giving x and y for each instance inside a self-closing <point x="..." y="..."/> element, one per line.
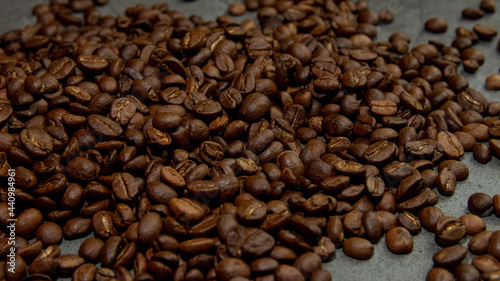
<point x="36" y="141"/>
<point x="449" y="230"/>
<point x="29" y="221"/>
<point x="380" y="152"/>
<point x="451" y="146"/>
<point x="237" y="9"/>
<point x="468" y="142"/>
<point x="49" y="233"/>
<point x="485" y="31"/>
<point x="410" y="222"/>
<point x="373" y="226"/>
<point x="102" y="223"/>
<point x="399" y="240"/>
<point x="186" y="210"/>
<point x="149" y="228"/>
<point x="446" y="181"/>
<point x="308" y="263"/>
<point x="486" y="263"/>
<point x="124" y="186"/>
<point x="232" y="267"/>
<point x="439" y="273"/>
<point x="496" y="205"/>
<point x="472" y="13"/>
<point x="77" y="227"/>
<point x="482" y="153"/>
<point x="466" y="272"/>
<point x="104" y="126"/>
<point x="478" y="245"/>
<point x="473" y="224"/>
<point x="429" y="216"/>
<point x="358" y="248"/>
<point x="479" y="203"/>
<point x="383" y="107"/>
<point x="460" y="169"/>
<point x="90" y="249"/>
<point x="450" y="256"/>
<point x="494" y="245"/>
<point x="436" y="25"/>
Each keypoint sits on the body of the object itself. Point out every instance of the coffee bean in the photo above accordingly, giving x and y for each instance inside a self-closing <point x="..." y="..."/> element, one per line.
<point x="232" y="267"/>
<point x="451" y="146"/>
<point x="36" y="141"/>
<point x="399" y="240"/>
<point x="449" y="230"/>
<point x="104" y="126"/>
<point x="496" y="205"/>
<point x="77" y="227"/>
<point x="466" y="272"/>
<point x="495" y="147"/>
<point x="493" y="82"/>
<point x="450" y="256"/>
<point x="429" y="216"/>
<point x="90" y="249"/>
<point x="460" y="169"/>
<point x="358" y="248"/>
<point x="410" y="222"/>
<point x="479" y="243"/>
<point x="473" y="224"/>
<point x="49" y="233"/>
<point x="446" y="181"/>
<point x="494" y="245"/>
<point x="91" y="62"/>
<point x="102" y="223"/>
<point x="321" y="275"/>
<point x="308" y="263"/>
<point x="436" y="25"/>
<point x="487" y="6"/>
<point x="466" y="140"/>
<point x="186" y="210"/>
<point x="149" y="228"/>
<point x="380" y="152"/>
<point x="62" y="68"/>
<point x="439" y="273"/>
<point x="479" y="203"/>
<point x="485" y="31"/>
<point x="472" y="13"/>
<point x="28" y="222"/>
<point x="383" y="107"/>
<point x="373" y="226"/>
<point x="471" y="99"/>
<point x="82" y="169"/>
<point x="486" y="263"/>
<point x="160" y="192"/>
<point x="124" y="186"/>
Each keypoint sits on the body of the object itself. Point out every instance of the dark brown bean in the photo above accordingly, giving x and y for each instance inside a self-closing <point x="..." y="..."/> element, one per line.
<point x="358" y="248"/>
<point x="399" y="240"/>
<point x="479" y="203"/>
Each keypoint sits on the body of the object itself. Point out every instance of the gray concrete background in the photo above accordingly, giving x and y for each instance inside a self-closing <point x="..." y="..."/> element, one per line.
<point x="410" y="17"/>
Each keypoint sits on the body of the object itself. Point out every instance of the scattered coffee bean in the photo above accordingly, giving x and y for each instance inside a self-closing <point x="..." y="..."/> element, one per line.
<point x="399" y="240"/>
<point x="479" y="203"/>
<point x="449" y="230"/>
<point x="493" y="82"/>
<point x="436" y="25"/>
<point x="358" y="248"/>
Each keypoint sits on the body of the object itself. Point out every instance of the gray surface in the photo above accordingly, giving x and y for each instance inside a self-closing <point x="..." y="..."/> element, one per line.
<point x="410" y="16"/>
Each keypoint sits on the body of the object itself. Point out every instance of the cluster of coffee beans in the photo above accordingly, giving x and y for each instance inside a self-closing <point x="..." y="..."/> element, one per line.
<point x="212" y="150"/>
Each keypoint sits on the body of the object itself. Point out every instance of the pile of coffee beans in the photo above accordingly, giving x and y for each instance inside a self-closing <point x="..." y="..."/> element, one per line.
<point x="213" y="150"/>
